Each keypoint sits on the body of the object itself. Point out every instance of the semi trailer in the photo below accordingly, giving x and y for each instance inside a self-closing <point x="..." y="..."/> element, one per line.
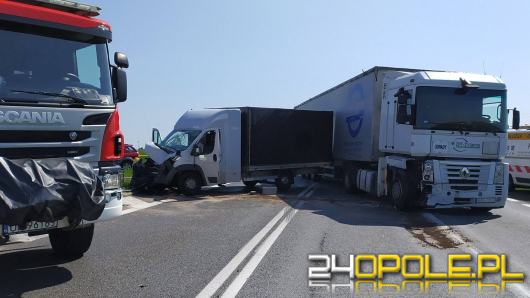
<point x="60" y="138"/>
<point x="217" y="146"/>
<point x="420" y="137"/>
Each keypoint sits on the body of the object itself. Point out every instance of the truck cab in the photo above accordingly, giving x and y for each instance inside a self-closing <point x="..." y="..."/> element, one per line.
<point x="203" y="149"/>
<point x="449" y="130"/>
<point x="58" y="99"/>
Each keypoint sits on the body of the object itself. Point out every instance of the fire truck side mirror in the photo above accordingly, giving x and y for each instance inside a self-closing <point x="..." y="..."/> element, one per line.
<point x="121" y="60"/>
<point x="119" y="83"/>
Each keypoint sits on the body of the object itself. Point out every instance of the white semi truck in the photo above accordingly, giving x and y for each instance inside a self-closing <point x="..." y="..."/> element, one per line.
<point x="208" y="147"/>
<point x="429" y="138"/>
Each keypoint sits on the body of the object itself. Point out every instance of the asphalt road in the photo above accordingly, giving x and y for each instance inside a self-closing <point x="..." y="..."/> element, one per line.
<point x="229" y="242"/>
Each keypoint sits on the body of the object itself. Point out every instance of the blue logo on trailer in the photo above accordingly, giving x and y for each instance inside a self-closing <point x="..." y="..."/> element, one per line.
<point x="355" y="122"/>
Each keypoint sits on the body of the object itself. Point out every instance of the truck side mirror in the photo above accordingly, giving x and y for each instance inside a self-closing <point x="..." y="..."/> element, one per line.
<point x="121" y="60"/>
<point x="402" y="96"/>
<point x="119" y="82"/>
<point x="516" y="119"/>
<point x="402" y="116"/>
<point x="155" y="136"/>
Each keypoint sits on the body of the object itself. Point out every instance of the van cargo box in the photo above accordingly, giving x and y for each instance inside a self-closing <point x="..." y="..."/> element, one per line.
<point x="283" y="137"/>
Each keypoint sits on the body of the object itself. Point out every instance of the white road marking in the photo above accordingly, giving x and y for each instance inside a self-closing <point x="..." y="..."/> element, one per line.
<point x="526" y="205"/>
<point x="262" y="250"/>
<point x="135" y="204"/>
<point x="512" y="200"/>
<point x="516" y="288"/>
<point x="243" y="276"/>
<point x="217" y="282"/>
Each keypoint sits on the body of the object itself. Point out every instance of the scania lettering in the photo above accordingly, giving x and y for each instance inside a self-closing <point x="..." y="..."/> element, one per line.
<point x="31" y="117"/>
<point x="423" y="138"/>
<point x="58" y="99"/>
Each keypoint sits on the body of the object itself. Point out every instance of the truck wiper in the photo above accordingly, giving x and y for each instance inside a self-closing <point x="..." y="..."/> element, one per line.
<point x="70" y="98"/>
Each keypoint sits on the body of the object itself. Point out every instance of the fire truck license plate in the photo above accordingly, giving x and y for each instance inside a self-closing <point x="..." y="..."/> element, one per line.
<point x="29" y="227"/>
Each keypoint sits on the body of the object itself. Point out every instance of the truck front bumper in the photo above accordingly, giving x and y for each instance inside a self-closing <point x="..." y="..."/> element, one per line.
<point x="487" y="196"/>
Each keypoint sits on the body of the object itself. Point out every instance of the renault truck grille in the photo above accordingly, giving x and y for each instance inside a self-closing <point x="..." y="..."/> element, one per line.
<point x="43" y="152"/>
<point x="464" y="176"/>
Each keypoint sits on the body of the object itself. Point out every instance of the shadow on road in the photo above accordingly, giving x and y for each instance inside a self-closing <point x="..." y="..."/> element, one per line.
<point x="521" y="194"/>
<point x="29" y="270"/>
<point x="331" y="201"/>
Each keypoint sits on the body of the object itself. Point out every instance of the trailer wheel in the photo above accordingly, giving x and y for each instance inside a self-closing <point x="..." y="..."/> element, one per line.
<point x="284" y="182"/>
<point x="250" y="184"/>
<point x="189" y="183"/>
<point x="71" y="243"/>
<point x="400" y="191"/>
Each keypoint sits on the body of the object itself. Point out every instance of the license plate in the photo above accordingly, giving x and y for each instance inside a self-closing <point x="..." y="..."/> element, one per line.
<point x="31" y="226"/>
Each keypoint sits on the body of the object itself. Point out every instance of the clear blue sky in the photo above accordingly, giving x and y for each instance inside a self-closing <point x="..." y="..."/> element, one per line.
<point x="195" y="54"/>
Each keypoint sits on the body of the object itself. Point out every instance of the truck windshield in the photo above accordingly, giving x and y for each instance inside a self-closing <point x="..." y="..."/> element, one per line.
<point x="180" y="140"/>
<point x="41" y="68"/>
<point x="456" y="109"/>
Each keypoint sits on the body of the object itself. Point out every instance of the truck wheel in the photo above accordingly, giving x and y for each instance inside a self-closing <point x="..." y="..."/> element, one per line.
<point x="511" y="185"/>
<point x="71" y="243"/>
<point x="284" y="182"/>
<point x="350" y="181"/>
<point x="250" y="184"/>
<point x="189" y="184"/>
<point x="400" y="191"/>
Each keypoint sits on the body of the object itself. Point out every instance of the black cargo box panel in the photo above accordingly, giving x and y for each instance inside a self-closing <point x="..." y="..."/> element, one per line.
<point x="284" y="136"/>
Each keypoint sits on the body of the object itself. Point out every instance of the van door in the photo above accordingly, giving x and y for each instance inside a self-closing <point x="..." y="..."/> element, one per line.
<point x="209" y="158"/>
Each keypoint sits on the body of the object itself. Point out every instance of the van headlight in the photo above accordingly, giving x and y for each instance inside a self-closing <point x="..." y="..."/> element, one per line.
<point x="428" y="171"/>
<point x="112" y="181"/>
<point x="498" y="178"/>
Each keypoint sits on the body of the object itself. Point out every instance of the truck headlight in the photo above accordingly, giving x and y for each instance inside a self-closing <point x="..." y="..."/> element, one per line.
<point x="428" y="171"/>
<point x="112" y="181"/>
<point x="498" y="178"/>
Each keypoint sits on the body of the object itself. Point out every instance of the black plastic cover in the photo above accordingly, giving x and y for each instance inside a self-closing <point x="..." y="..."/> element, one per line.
<point x="47" y="190"/>
<point x="284" y="136"/>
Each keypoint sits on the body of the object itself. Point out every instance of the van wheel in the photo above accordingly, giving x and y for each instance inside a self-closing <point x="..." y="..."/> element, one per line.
<point x="284" y="182"/>
<point x="400" y="191"/>
<point x="250" y="184"/>
<point x="71" y="243"/>
<point x="189" y="184"/>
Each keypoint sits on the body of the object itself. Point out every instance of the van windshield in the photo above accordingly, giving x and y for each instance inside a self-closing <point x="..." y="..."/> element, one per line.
<point x="51" y="67"/>
<point x="180" y="140"/>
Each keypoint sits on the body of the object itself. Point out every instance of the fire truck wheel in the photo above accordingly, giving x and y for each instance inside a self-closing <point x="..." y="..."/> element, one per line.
<point x="71" y="243"/>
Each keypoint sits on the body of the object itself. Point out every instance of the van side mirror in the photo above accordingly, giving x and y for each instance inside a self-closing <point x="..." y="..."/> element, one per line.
<point x="196" y="150"/>
<point x="119" y="83"/>
<point x="516" y="119"/>
<point x="121" y="60"/>
<point x="155" y="136"/>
